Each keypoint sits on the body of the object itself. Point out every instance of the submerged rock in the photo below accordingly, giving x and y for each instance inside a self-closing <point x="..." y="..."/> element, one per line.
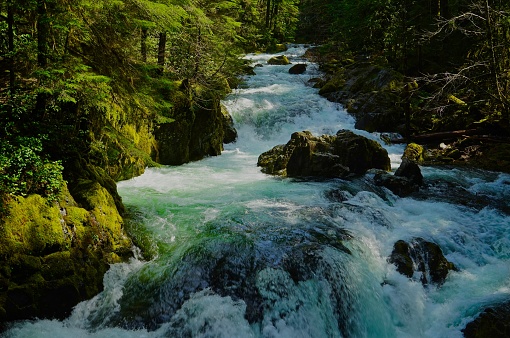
<point x="422" y="257"/>
<point x="300" y="68"/>
<point x="493" y="322"/>
<point x="340" y="155"/>
<point x="279" y="60"/>
<point x="400" y="186"/>
<point x="411" y="171"/>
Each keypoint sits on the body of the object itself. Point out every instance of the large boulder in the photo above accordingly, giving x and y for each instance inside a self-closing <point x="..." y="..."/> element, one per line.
<point x="400" y="186"/>
<point x="340" y="155"/>
<point x="194" y="132"/>
<point x="281" y="60"/>
<point x="422" y="260"/>
<point x="493" y="322"/>
<point x="410" y="170"/>
<point x="229" y="131"/>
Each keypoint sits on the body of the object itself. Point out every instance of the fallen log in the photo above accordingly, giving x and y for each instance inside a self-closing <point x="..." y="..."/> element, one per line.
<point x="439" y="136"/>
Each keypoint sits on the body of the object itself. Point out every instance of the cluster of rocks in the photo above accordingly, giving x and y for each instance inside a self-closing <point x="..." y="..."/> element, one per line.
<point x="341" y="155"/>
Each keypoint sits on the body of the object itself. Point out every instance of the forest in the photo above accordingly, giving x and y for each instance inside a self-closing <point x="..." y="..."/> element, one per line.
<point x="93" y="92"/>
<point x="75" y="71"/>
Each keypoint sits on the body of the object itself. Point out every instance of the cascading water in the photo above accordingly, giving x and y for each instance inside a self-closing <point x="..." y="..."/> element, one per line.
<point x="243" y="254"/>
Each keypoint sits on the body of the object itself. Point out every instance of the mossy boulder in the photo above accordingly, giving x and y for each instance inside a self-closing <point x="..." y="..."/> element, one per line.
<point x="422" y="260"/>
<point x="341" y="155"/>
<point x="197" y="131"/>
<point x="414" y="152"/>
<point x="54" y="254"/>
<point x="280" y="60"/>
<point x="32" y="226"/>
<point x="276" y="48"/>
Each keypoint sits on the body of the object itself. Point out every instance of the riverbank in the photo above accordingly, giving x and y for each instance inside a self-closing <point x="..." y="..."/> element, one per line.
<point x="383" y="100"/>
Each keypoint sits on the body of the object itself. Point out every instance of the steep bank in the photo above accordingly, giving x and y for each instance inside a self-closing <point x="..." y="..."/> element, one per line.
<point x="383" y="100"/>
<point x="55" y="251"/>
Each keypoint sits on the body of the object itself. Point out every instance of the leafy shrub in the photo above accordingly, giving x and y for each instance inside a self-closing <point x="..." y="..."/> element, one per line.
<point x="24" y="171"/>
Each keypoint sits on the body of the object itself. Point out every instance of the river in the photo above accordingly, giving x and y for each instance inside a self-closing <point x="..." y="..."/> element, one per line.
<point x="238" y="253"/>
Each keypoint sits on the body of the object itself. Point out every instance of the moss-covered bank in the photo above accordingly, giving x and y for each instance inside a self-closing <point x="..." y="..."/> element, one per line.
<point x="54" y="254"/>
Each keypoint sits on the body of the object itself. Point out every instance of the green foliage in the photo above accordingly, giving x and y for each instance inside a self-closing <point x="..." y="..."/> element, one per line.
<point x="24" y="170"/>
<point x="97" y="77"/>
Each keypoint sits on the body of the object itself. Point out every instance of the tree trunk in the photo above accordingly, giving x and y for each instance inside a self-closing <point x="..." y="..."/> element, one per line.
<point x="161" y="51"/>
<point x="10" y="34"/>
<point x="493" y="59"/>
<point x="268" y="13"/>
<point x="42" y="54"/>
<point x="42" y="33"/>
<point x="144" y="44"/>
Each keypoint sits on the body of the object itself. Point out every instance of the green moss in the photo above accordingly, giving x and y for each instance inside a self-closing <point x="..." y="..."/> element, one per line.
<point x="278" y="60"/>
<point x="32" y="226"/>
<point x="333" y="85"/>
<point x="57" y="266"/>
<point x="414" y="152"/>
<point x="76" y="217"/>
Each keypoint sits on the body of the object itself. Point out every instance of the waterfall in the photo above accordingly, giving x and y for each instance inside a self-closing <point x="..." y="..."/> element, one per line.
<point x="243" y="254"/>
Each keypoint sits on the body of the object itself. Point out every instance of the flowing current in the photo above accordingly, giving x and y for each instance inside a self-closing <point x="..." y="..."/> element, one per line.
<point x="238" y="253"/>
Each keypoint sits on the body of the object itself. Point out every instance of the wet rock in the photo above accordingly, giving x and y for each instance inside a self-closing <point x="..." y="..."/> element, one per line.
<point x="406" y="180"/>
<point x="54" y="255"/>
<point x="195" y="133"/>
<point x="279" y="60"/>
<point x="248" y="70"/>
<point x="411" y="171"/>
<point x="421" y="259"/>
<point x="400" y="186"/>
<point x="340" y="155"/>
<point x="298" y="69"/>
<point x="493" y="322"/>
<point x="276" y="48"/>
<point x="229" y="131"/>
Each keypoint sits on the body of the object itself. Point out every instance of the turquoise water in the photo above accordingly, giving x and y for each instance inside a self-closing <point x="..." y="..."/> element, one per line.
<point x="243" y="254"/>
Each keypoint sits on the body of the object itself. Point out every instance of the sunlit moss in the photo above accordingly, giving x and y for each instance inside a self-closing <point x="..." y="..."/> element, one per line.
<point x="32" y="226"/>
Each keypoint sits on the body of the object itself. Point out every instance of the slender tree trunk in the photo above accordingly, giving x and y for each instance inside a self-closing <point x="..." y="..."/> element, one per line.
<point x="10" y="33"/>
<point x="42" y="54"/>
<point x="268" y="13"/>
<point x="144" y="44"/>
<point x="493" y="60"/>
<point x="42" y="33"/>
<point x="274" y="16"/>
<point x="161" y="51"/>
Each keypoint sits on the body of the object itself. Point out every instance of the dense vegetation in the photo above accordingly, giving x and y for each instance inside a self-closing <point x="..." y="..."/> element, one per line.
<point x="454" y="54"/>
<point x="79" y="76"/>
<point x="91" y="91"/>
